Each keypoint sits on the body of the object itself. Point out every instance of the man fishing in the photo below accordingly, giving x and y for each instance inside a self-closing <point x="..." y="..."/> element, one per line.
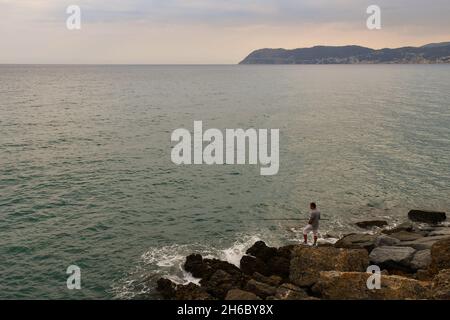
<point x="313" y="224"/>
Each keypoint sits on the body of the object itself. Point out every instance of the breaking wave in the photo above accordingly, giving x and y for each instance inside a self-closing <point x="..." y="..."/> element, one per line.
<point x="167" y="261"/>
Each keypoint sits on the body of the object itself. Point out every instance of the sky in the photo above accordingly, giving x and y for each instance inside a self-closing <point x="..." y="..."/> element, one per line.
<point x="206" y="31"/>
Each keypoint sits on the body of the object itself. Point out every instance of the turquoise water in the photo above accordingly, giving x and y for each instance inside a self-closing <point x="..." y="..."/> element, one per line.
<point x="86" y="176"/>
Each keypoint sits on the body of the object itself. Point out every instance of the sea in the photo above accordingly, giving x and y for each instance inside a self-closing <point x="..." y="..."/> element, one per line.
<point x="87" y="179"/>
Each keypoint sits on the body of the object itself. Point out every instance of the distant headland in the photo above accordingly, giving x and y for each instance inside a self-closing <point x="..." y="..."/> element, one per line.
<point x="352" y="54"/>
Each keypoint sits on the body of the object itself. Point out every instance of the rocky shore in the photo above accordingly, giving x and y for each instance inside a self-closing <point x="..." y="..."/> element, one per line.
<point x="414" y="259"/>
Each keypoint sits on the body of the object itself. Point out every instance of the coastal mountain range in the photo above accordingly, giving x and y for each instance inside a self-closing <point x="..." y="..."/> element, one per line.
<point x="352" y="54"/>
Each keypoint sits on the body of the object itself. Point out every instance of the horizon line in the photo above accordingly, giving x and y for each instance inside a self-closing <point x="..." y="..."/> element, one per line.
<point x="213" y="64"/>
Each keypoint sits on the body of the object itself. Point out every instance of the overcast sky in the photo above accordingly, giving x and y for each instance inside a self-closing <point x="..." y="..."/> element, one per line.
<point x="206" y="31"/>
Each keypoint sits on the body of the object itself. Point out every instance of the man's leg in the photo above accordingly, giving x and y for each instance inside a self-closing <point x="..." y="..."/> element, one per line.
<point x="306" y="230"/>
<point x="315" y="236"/>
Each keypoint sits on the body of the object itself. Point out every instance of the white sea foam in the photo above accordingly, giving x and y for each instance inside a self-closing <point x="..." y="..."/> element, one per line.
<point x="167" y="262"/>
<point x="234" y="253"/>
<point x="164" y="257"/>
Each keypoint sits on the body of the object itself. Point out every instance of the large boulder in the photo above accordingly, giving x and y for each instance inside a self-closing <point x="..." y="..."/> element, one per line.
<point x="371" y="223"/>
<point x="426" y="216"/>
<point x="250" y="265"/>
<point x="357" y="241"/>
<point x="279" y="266"/>
<point x="166" y="288"/>
<point x="440" y="255"/>
<point x="286" y="251"/>
<point x="261" y="289"/>
<point x="221" y="282"/>
<point x="262" y="251"/>
<point x="421" y="260"/>
<point x="266" y="260"/>
<point x="288" y="291"/>
<point x="441" y="285"/>
<point x="392" y="257"/>
<point x="337" y="285"/>
<point x="237" y="294"/>
<point x="274" y="281"/>
<point x="194" y="264"/>
<point x="205" y="268"/>
<point x="192" y="291"/>
<point x="307" y="262"/>
<point x="385" y="240"/>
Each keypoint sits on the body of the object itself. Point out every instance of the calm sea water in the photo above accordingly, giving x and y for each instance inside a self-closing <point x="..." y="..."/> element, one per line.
<point x="86" y="176"/>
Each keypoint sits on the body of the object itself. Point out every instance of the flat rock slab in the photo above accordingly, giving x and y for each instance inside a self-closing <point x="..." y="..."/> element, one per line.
<point x="353" y="286"/>
<point x="440" y="231"/>
<point x="407" y="235"/>
<point x="427" y="216"/>
<point x="357" y="241"/>
<point x="423" y="243"/>
<point x="392" y="256"/>
<point x="307" y="262"/>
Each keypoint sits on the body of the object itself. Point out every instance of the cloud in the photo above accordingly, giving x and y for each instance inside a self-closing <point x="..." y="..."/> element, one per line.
<point x="211" y="30"/>
<point x="230" y="12"/>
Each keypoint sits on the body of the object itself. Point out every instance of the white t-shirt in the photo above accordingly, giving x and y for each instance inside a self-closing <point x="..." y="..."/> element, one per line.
<point x="315" y="217"/>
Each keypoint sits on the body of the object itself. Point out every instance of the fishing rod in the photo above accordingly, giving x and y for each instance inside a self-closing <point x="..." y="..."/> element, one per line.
<point x="297" y="211"/>
<point x="289" y="219"/>
<point x="286" y="219"/>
